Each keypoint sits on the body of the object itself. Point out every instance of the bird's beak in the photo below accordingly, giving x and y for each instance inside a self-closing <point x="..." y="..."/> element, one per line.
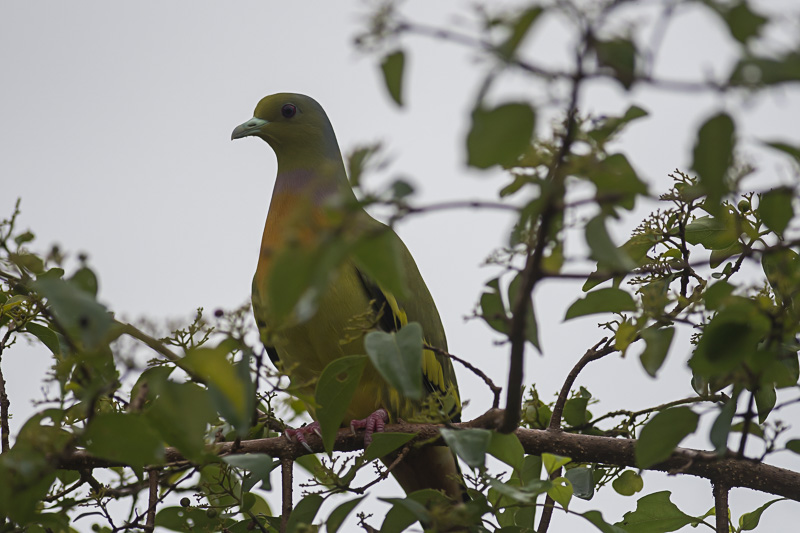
<point x="251" y="127"/>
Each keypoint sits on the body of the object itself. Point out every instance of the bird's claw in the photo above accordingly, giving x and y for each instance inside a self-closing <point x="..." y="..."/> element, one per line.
<point x="372" y="424"/>
<point x="300" y="434"/>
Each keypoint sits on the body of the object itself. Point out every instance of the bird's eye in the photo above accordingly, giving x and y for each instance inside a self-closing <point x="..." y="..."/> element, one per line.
<point x="288" y="110"/>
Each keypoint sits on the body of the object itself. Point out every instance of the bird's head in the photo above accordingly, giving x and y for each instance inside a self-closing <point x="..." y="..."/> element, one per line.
<point x="295" y="126"/>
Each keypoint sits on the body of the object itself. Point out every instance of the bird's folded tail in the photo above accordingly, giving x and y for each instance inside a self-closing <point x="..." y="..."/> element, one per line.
<point x="434" y="467"/>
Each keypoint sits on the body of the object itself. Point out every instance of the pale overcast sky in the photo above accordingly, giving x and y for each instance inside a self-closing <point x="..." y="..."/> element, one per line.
<point x="115" y="122"/>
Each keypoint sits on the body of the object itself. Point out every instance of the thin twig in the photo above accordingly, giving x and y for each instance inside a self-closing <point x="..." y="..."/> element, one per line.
<point x="150" y="524"/>
<point x="748" y="419"/>
<point x="592" y="354"/>
<point x="475" y="370"/>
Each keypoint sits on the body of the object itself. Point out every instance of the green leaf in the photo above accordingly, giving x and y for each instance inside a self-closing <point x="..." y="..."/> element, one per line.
<point x="258" y="464"/>
<point x="519" y="30"/>
<point x="582" y="481"/>
<point x="190" y="519"/>
<point x="181" y="414"/>
<point x="793" y="445"/>
<point x="48" y="337"/>
<point x="766" y="397"/>
<point x="398" y="357"/>
<point x="335" y="390"/>
<point x="717" y="294"/>
<point x="575" y="411"/>
<point x="380" y="255"/>
<point x="86" y="280"/>
<point x="384" y="443"/>
<point x="229" y="384"/>
<point x="499" y="136"/>
<point x="721" y="427"/>
<point x="711" y="232"/>
<point x="124" y="437"/>
<point x="620" y="56"/>
<point x="662" y="434"/>
<point x="754" y="71"/>
<point x="791" y="151"/>
<point x="493" y="311"/>
<point x="782" y="268"/>
<point x="713" y="155"/>
<point x="24" y="237"/>
<point x="338" y="515"/>
<point x="507" y="448"/>
<point x="596" y="518"/>
<point x="635" y="248"/>
<point x="657" y="341"/>
<point x="775" y="209"/>
<point x="749" y="521"/>
<point x="655" y="513"/>
<point x="614" y="177"/>
<point x="471" y="445"/>
<point x="392" y="68"/>
<point x="607" y="300"/>
<point x="604" y="251"/>
<point x="628" y="483"/>
<point x="406" y="511"/>
<point x="304" y="512"/>
<point x="742" y="22"/>
<point x="731" y="337"/>
<point x="552" y="462"/>
<point x="77" y="312"/>
<point x="607" y="128"/>
<point x="561" y="491"/>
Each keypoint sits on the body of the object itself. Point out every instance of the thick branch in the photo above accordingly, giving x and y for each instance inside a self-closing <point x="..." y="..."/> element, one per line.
<point x="733" y="471"/>
<point x="720" y="491"/>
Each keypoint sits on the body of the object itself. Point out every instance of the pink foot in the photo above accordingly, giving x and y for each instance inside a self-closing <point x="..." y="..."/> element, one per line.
<point x="299" y="434"/>
<point x="374" y="422"/>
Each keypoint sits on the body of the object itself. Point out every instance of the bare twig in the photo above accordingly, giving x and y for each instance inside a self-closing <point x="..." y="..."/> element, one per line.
<point x="748" y="419"/>
<point x="592" y="354"/>
<point x="475" y="370"/>
<point x="150" y="524"/>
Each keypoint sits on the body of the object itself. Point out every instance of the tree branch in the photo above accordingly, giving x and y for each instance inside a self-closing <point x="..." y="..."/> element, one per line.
<point x="720" y="491"/>
<point x="735" y="472"/>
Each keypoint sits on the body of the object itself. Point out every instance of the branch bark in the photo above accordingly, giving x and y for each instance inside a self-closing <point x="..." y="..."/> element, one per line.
<point x="733" y="471"/>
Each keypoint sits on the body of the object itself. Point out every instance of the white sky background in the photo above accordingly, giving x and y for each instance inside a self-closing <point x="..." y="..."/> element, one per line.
<point x="115" y="123"/>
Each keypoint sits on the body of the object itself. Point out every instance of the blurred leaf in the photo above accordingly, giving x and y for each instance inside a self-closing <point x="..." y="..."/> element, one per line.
<point x="604" y="251"/>
<point x="398" y="357"/>
<point x="124" y="437"/>
<point x="713" y="155"/>
<point x="384" y="443"/>
<point x="259" y="466"/>
<point x="620" y="56"/>
<point x="628" y="483"/>
<point x="392" y="68"/>
<point x="406" y="511"/>
<point x="519" y="30"/>
<point x="657" y="345"/>
<point x="711" y="232"/>
<point x="338" y="515"/>
<point x="756" y="71"/>
<point x="721" y="427"/>
<point x="608" y="300"/>
<point x="717" y="294"/>
<point x="48" y="337"/>
<point x="616" y="181"/>
<point x="607" y="127"/>
<point x="731" y="336"/>
<point x="662" y="434"/>
<point x="531" y="469"/>
<point x="775" y="209"/>
<point x="782" y="269"/>
<point x="791" y="151"/>
<point x="335" y="390"/>
<point x="85" y="279"/>
<point x="181" y="414"/>
<point x="191" y="519"/>
<point x="507" y="448"/>
<point x="471" y="445"/>
<point x="24" y="237"/>
<point x="766" y="397"/>
<point x="793" y="445"/>
<point x="304" y="512"/>
<point x="742" y="21"/>
<point x="499" y="136"/>
<point x="77" y="312"/>
<point x="582" y="482"/>
<point x="749" y="521"/>
<point x="379" y="254"/>
<point x="635" y="248"/>
<point x="656" y="513"/>
<point x="229" y="384"/>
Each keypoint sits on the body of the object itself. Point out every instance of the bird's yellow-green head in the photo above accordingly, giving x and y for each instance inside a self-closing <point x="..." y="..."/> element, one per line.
<point x="297" y="129"/>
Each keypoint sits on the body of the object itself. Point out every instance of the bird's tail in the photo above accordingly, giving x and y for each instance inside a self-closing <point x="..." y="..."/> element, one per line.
<point x="433" y="467"/>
